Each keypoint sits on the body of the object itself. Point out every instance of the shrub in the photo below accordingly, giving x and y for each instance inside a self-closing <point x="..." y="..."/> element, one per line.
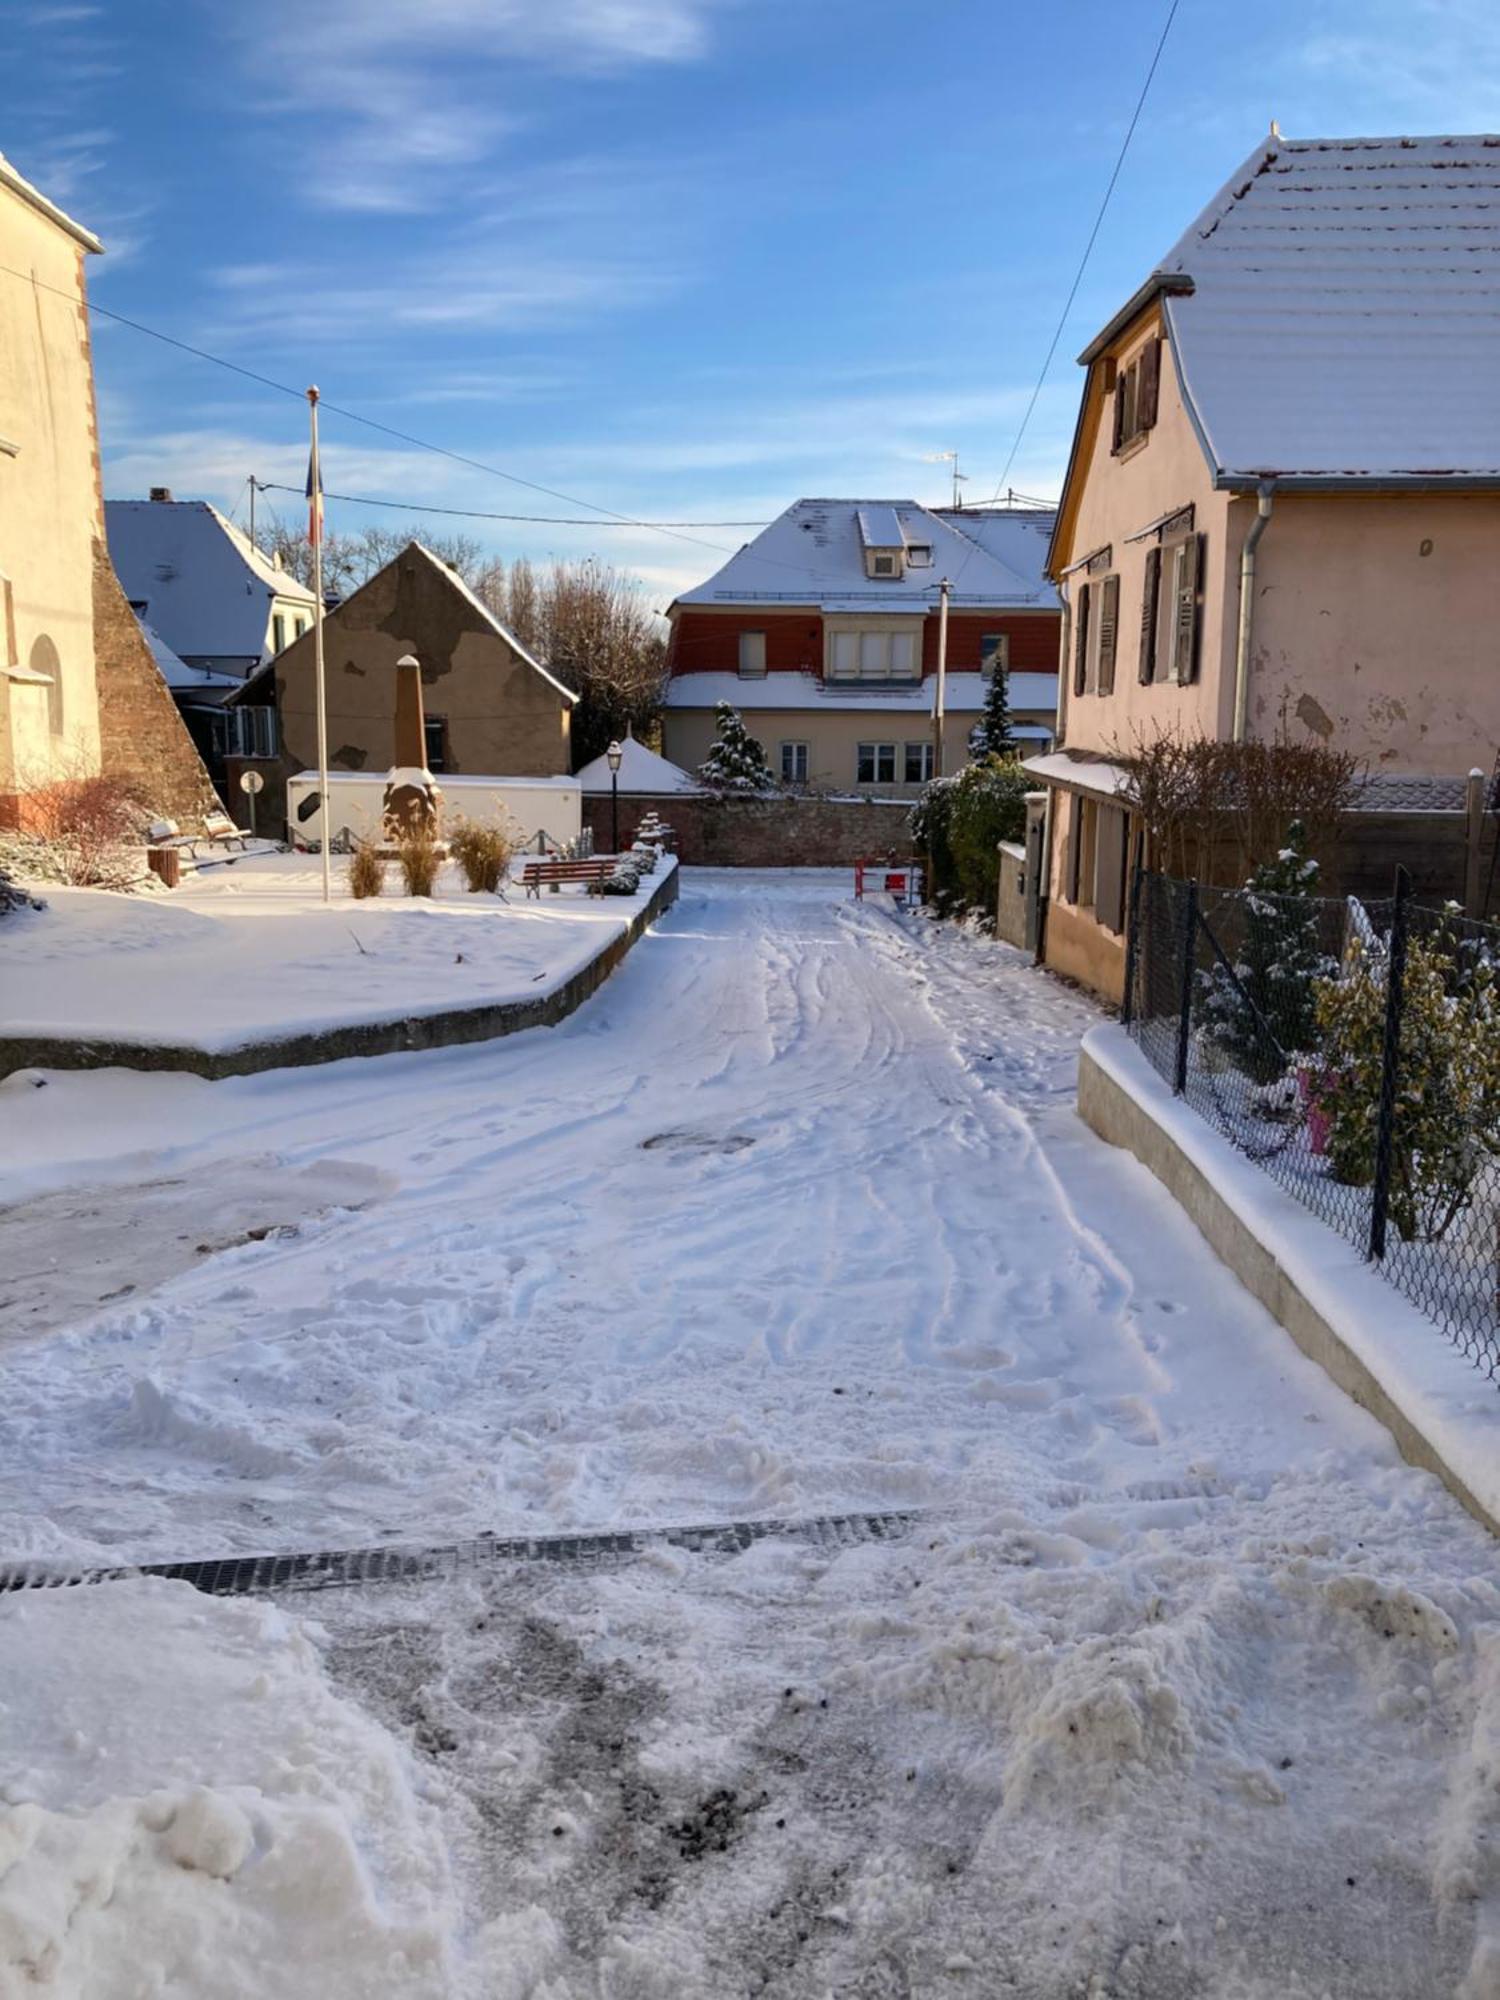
<point x="1276" y="969"/>
<point x="484" y="850"/>
<point x="623" y="880"/>
<point x="419" y="853"/>
<point x="1447" y="1111"/>
<point x="366" y="870"/>
<point x="82" y="828"/>
<point x="736" y="762"/>
<point x="959" y="823"/>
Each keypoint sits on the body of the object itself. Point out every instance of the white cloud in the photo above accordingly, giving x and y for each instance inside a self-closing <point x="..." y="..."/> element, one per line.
<point x="399" y="102"/>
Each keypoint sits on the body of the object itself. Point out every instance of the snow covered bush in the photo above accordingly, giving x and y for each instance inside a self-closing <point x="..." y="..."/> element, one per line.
<point x="644" y="855"/>
<point x="623" y="880"/>
<point x="737" y="761"/>
<point x="1276" y="972"/>
<point x="366" y="870"/>
<point x="484" y="850"/>
<point x="1447" y="1110"/>
<point x="959" y="823"/>
<point x="12" y="897"/>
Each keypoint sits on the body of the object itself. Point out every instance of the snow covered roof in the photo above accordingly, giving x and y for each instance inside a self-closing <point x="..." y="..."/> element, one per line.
<point x="1335" y="312"/>
<point x="34" y="198"/>
<point x="176" y="672"/>
<point x="204" y="586"/>
<point x="814" y="554"/>
<point x="641" y="770"/>
<point x="963" y="692"/>
<point x="1083" y="774"/>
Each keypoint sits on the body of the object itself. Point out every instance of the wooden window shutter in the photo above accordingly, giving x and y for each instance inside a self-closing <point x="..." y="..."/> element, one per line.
<point x="1074" y="856"/>
<point x="1109" y="868"/>
<point x="1146" y="394"/>
<point x="1119" y="417"/>
<point x="1109" y="622"/>
<point x="1150" y="593"/>
<point x="1081" y="641"/>
<point x="1186" y="563"/>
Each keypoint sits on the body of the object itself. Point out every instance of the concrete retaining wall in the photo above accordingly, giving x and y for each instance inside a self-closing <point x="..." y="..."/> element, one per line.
<point x="1441" y="1412"/>
<point x="365" y="1038"/>
<point x="761" y="833"/>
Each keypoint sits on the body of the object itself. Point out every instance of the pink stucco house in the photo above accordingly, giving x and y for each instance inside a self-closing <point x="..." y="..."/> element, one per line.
<point x="1282" y="506"/>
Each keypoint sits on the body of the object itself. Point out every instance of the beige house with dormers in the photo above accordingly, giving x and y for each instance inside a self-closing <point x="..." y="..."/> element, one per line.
<point x="79" y="692"/>
<point x="1282" y="506"/>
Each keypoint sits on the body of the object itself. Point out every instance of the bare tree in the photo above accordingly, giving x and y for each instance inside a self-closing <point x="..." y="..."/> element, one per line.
<point x="601" y="637"/>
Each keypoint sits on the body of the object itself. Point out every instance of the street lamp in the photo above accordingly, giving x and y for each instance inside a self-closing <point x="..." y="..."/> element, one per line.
<point x="612" y="757"/>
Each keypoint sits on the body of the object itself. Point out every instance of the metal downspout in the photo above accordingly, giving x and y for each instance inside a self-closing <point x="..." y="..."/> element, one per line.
<point x="1264" y="500"/>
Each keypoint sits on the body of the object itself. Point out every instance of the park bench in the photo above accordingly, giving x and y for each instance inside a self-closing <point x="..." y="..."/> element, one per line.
<point x="218" y="830"/>
<point x="593" y="873"/>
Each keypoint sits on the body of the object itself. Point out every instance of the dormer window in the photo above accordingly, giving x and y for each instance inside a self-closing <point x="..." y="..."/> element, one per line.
<point x="919" y="555"/>
<point x="884" y="565"/>
<point x="883" y="540"/>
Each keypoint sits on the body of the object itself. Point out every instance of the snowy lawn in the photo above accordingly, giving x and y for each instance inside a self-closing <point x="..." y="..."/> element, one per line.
<point x="247" y="951"/>
<point x="1183" y="1685"/>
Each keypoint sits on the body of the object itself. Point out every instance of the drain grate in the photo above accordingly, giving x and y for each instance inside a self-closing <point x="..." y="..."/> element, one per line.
<point x="327" y="1569"/>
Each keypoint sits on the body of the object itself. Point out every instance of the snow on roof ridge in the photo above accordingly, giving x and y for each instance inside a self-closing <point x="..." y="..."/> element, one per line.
<point x="18" y="184"/>
<point x="500" y="626"/>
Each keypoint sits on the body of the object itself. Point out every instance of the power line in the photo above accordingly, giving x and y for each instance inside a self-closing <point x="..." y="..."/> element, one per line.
<point x="1088" y="247"/>
<point x="353" y="416"/>
<point x="479" y="514"/>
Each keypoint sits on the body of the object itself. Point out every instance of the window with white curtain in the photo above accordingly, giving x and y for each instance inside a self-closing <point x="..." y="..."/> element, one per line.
<point x="873" y="653"/>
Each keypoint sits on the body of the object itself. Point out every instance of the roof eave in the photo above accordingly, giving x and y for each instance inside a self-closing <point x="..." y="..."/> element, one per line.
<point x="1158" y="285"/>
<point x="19" y="185"/>
<point x="1358" y="482"/>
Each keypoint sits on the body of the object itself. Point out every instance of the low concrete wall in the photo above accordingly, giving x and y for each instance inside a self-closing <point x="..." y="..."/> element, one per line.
<point x="365" y="1038"/>
<point x="1421" y="1389"/>
<point x="1082" y="949"/>
<point x="1010" y="897"/>
<point x="760" y="833"/>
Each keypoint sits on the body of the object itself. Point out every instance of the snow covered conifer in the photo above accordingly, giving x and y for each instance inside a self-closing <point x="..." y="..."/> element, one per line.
<point x="992" y="733"/>
<point x="1279" y="962"/>
<point x="737" y="761"/>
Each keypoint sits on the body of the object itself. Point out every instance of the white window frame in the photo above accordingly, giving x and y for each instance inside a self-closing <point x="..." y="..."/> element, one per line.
<point x="752" y="655"/>
<point x="798" y="755"/>
<point x="278" y="631"/>
<point x="873" y="650"/>
<point x="994" y="650"/>
<point x="879" y="754"/>
<point x="924" y="761"/>
<point x="919" y="555"/>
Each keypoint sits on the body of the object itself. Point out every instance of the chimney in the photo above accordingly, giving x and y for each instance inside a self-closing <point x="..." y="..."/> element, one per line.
<point x="161" y="493"/>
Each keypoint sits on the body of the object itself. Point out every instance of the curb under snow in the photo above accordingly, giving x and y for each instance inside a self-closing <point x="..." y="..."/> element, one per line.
<point x="483" y="1023"/>
<point x="1380" y="1350"/>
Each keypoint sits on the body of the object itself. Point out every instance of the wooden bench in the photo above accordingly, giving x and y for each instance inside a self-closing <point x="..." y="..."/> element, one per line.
<point x="218" y="830"/>
<point x="592" y="873"/>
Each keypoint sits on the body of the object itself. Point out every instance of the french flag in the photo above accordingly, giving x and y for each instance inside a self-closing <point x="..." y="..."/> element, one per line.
<point x="314" y="496"/>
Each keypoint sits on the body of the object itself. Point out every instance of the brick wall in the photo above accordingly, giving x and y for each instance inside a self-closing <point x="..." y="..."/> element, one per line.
<point x="709" y="641"/>
<point x="761" y="833"/>
<point x="141" y="734"/>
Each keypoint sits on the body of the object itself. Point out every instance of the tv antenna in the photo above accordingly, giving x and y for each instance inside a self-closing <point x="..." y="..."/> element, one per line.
<point x="959" y="478"/>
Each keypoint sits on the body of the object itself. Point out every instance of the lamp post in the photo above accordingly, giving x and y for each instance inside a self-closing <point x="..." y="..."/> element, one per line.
<point x="612" y="757"/>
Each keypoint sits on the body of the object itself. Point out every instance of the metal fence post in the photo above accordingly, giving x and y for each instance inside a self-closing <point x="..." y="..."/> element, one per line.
<point x="1132" y="946"/>
<point x="1189" y="944"/>
<point x="1390" y="1057"/>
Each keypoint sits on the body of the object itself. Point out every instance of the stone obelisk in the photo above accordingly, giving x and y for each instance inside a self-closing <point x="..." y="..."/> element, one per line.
<point x="411" y="796"/>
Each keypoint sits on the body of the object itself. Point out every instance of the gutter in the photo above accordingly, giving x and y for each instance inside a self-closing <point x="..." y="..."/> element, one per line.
<point x="1161" y="284"/>
<point x="1264" y="502"/>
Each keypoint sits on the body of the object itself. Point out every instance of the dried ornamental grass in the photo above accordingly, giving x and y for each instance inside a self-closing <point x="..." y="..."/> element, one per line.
<point x="419" y="855"/>
<point x="366" y="870"/>
<point x="484" y="850"/>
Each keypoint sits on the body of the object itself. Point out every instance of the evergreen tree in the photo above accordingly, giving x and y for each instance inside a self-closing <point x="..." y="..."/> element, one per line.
<point x="992" y="736"/>
<point x="737" y="761"/>
<point x="1279" y="963"/>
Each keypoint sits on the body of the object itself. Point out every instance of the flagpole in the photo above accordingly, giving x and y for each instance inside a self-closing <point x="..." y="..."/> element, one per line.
<point x="315" y="522"/>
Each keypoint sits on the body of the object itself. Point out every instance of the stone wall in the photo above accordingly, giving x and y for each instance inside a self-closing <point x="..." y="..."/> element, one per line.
<point x="141" y="734"/>
<point x="761" y="833"/>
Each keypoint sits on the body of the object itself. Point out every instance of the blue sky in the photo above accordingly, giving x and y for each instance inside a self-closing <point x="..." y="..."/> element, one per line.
<point x="684" y="258"/>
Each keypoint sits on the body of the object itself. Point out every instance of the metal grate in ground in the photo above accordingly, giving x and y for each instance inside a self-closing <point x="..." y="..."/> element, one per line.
<point x="327" y="1569"/>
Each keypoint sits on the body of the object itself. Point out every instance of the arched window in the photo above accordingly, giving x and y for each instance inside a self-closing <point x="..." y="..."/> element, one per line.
<point x="44" y="660"/>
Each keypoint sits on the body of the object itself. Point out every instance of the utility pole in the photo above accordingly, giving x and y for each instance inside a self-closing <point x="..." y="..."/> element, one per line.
<point x="940" y="691"/>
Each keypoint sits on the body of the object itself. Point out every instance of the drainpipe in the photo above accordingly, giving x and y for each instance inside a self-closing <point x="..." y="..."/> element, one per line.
<point x="1258" y="527"/>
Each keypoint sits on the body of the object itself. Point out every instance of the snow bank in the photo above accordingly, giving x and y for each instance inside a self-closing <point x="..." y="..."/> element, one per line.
<point x="190" y="1808"/>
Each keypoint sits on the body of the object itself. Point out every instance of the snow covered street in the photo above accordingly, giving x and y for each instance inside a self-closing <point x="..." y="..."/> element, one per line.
<point x="1183" y="1684"/>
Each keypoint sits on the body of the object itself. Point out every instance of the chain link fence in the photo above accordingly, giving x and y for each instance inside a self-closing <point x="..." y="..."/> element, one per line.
<point x="1351" y="1049"/>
